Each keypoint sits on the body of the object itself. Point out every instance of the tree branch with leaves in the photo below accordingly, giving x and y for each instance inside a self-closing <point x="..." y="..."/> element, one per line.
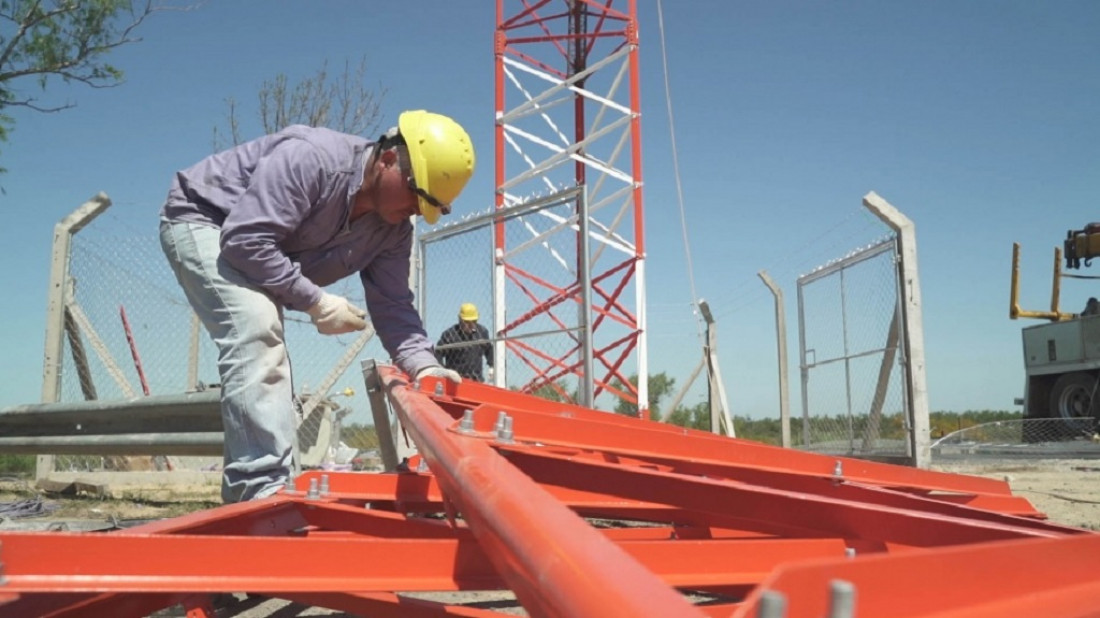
<point x="64" y="39"/>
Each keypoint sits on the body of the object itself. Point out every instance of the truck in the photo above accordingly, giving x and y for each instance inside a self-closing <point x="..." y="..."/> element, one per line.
<point x="1062" y="355"/>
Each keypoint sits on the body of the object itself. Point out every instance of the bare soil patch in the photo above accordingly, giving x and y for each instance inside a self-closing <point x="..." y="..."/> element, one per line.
<point x="82" y="501"/>
<point x="1066" y="490"/>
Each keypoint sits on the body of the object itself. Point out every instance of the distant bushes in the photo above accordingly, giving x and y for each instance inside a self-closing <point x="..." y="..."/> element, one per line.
<point x="891" y="426"/>
<point x="943" y="423"/>
<point x="17" y="464"/>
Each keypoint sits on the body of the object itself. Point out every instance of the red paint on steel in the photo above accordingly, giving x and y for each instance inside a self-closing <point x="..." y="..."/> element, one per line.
<point x="543" y="37"/>
<point x="133" y="350"/>
<point x="1045" y="577"/>
<point x="714" y="515"/>
<point x="547" y="554"/>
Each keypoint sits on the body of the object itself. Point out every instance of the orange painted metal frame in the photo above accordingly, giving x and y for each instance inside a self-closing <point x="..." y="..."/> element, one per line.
<point x="580" y="513"/>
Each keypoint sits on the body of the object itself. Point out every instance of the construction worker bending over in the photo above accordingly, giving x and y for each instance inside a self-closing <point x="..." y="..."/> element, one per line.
<point x="262" y="227"/>
<point x="462" y="346"/>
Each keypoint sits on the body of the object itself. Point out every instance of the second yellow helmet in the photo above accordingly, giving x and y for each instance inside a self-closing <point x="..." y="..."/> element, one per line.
<point x="468" y="312"/>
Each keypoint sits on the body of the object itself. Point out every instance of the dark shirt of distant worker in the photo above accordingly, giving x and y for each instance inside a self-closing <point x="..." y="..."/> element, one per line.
<point x="466" y="343"/>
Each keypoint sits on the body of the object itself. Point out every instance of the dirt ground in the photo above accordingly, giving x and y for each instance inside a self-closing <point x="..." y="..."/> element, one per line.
<point x="115" y="505"/>
<point x="1068" y="491"/>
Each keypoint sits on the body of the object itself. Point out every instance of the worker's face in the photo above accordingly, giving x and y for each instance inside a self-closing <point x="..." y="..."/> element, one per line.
<point x="396" y="201"/>
<point x="468" y="325"/>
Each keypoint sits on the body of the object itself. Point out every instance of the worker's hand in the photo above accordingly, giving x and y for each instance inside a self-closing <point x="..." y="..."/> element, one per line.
<point x="489" y="375"/>
<point x="334" y="315"/>
<point x="436" y="371"/>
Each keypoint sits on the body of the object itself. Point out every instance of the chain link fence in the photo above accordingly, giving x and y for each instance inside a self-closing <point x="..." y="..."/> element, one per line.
<point x="461" y="272"/>
<point x="852" y="361"/>
<point x="130" y="332"/>
<point x="1026" y="438"/>
<point x="537" y="327"/>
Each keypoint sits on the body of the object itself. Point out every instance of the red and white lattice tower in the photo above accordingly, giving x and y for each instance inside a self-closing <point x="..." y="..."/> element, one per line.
<point x="567" y="115"/>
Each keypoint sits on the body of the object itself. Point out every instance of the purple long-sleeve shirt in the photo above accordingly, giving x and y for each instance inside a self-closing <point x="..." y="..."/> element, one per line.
<point x="283" y="203"/>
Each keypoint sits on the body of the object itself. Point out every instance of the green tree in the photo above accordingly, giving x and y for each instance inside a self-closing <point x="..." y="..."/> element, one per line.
<point x="558" y="392"/>
<point x="360" y="436"/>
<point x="660" y="385"/>
<point x="44" y="40"/>
<point x="695" y="417"/>
<point x="766" y="430"/>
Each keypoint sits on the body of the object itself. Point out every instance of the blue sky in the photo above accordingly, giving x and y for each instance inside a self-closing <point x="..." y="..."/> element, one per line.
<point x="977" y="119"/>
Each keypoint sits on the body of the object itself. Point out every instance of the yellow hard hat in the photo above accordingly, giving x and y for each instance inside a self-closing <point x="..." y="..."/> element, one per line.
<point x="442" y="158"/>
<point x="468" y="312"/>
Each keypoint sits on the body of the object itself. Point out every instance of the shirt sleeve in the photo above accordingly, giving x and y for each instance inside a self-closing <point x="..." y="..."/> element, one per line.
<point x="280" y="193"/>
<point x="390" y="303"/>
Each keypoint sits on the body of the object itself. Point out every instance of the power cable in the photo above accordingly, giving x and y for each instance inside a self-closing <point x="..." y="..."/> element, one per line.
<point x="829" y="241"/>
<point x="676" y="169"/>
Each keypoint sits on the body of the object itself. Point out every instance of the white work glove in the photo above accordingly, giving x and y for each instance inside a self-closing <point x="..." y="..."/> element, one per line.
<point x="334" y="315"/>
<point x="489" y="375"/>
<point x="435" y="371"/>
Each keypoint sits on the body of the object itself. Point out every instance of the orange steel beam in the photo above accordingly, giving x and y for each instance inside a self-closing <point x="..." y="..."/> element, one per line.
<point x="534" y="460"/>
<point x="379" y="489"/>
<point x="419" y="493"/>
<point x="558" y="423"/>
<point x="387" y="605"/>
<point x="152" y="564"/>
<point x="836" y="516"/>
<point x="546" y="553"/>
<point x="494" y="509"/>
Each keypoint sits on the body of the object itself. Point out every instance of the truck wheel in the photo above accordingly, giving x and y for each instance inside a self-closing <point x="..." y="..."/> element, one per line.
<point x="1075" y="399"/>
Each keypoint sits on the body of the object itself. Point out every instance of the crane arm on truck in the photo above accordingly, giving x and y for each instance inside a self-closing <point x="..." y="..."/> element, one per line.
<point x="1062" y="357"/>
<point x="1082" y="245"/>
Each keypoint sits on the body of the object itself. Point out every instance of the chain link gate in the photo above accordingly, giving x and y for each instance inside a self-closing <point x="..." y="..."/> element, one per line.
<point x="537" y="349"/>
<point x="130" y="333"/>
<point x="852" y="357"/>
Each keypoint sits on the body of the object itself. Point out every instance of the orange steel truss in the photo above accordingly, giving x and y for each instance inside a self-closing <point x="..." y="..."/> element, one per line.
<point x="568" y="113"/>
<point x="581" y="513"/>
